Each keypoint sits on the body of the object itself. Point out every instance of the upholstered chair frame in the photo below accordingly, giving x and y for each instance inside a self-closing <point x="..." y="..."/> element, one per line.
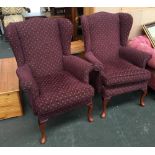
<point x="46" y="69"/>
<point x="121" y="69"/>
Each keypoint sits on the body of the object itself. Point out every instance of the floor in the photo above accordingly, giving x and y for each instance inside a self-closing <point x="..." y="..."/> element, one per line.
<point x="127" y="124"/>
<point x="5" y="50"/>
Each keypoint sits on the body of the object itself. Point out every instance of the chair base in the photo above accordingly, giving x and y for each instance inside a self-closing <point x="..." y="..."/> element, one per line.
<point x="42" y="125"/>
<point x="106" y="100"/>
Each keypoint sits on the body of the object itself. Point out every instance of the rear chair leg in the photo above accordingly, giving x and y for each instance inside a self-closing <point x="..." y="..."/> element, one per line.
<point x="90" y="112"/>
<point x="142" y="98"/>
<point x="42" y="126"/>
<point x="104" y="107"/>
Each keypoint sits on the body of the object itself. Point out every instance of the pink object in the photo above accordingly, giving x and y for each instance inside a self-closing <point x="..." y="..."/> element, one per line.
<point x="142" y="43"/>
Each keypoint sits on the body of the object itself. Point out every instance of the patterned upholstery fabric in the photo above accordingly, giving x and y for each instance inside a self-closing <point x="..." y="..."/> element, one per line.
<point x="66" y="92"/>
<point x="124" y="27"/>
<point x="152" y="81"/>
<point x="33" y="46"/>
<point x="56" y="82"/>
<point x="66" y="30"/>
<point x="111" y="44"/>
<point x="121" y="72"/>
<point x="134" y="56"/>
<point x="121" y="68"/>
<point x="27" y="81"/>
<point x="79" y="69"/>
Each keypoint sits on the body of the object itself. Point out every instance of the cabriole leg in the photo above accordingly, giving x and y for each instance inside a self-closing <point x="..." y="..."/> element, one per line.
<point x="104" y="107"/>
<point x="142" y="98"/>
<point x="90" y="112"/>
<point x="42" y="126"/>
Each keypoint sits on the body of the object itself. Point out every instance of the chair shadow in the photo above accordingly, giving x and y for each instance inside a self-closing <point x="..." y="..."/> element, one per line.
<point x="122" y="99"/>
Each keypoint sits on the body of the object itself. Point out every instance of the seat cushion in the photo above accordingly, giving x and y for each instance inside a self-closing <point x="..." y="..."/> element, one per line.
<point x="121" y="72"/>
<point x="60" y="92"/>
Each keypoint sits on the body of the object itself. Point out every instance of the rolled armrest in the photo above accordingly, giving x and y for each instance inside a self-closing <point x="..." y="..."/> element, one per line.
<point x="27" y="82"/>
<point x="134" y="56"/>
<point x="78" y="67"/>
<point x="91" y="58"/>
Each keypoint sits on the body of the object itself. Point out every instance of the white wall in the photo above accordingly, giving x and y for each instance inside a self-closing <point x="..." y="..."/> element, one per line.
<point x="34" y="9"/>
<point x="108" y="9"/>
<point x="141" y="16"/>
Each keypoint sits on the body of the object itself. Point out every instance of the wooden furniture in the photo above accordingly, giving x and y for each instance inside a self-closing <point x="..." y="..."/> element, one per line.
<point x="73" y="14"/>
<point x="57" y="10"/>
<point x="77" y="47"/>
<point x="10" y="105"/>
<point x="57" y="66"/>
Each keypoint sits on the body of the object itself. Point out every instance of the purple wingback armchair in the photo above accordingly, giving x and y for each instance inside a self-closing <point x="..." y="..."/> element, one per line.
<point x="54" y="80"/>
<point x="121" y="68"/>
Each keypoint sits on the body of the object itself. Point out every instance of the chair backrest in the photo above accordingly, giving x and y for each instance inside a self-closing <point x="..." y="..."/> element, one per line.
<point x="40" y="43"/>
<point x="104" y="33"/>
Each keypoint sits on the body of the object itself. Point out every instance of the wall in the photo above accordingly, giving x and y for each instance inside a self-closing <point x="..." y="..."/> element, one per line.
<point x="141" y="16"/>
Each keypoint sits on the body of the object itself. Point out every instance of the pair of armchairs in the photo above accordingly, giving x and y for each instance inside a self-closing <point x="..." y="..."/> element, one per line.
<point x="121" y="68"/>
<point x="57" y="82"/>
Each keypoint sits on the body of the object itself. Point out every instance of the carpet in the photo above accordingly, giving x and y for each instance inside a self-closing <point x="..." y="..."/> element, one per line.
<point x="127" y="124"/>
<point x="5" y="49"/>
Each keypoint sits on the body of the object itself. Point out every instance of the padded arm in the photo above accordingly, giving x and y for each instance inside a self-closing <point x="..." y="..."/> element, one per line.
<point x="91" y="58"/>
<point x="78" y="67"/>
<point x="134" y="56"/>
<point x="27" y="81"/>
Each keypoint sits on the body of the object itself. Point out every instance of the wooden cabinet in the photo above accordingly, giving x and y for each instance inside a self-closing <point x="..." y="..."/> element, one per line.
<point x="77" y="47"/>
<point x="73" y="14"/>
<point x="10" y="105"/>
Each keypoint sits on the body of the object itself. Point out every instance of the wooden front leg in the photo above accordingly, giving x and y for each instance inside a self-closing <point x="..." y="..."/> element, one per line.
<point x="104" y="107"/>
<point x="142" y="98"/>
<point x="42" y="127"/>
<point x="90" y="112"/>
